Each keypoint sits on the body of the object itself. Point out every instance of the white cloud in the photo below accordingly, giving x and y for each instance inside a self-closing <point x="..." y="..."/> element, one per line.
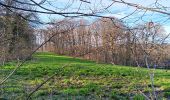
<point x="117" y="15"/>
<point x="117" y="10"/>
<point x="167" y="28"/>
<point x="37" y="1"/>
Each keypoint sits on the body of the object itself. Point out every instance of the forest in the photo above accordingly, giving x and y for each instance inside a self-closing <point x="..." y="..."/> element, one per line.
<point x="84" y="50"/>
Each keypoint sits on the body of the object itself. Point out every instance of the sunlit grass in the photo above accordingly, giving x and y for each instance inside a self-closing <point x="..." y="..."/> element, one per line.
<point x="79" y="79"/>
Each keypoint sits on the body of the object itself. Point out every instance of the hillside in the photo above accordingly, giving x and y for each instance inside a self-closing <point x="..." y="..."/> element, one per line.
<point x="80" y="79"/>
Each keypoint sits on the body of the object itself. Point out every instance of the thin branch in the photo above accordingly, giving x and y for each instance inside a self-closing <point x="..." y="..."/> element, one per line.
<point x="44" y="82"/>
<point x="19" y="65"/>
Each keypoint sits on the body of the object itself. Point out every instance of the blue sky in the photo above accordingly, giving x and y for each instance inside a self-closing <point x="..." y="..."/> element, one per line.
<point x="117" y="10"/>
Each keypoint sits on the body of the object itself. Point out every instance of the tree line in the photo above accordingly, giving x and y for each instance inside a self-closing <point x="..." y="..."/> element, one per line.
<point x="108" y="41"/>
<point x="16" y="34"/>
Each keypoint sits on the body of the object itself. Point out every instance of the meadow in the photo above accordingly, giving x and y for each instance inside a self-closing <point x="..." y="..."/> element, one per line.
<point x="80" y="80"/>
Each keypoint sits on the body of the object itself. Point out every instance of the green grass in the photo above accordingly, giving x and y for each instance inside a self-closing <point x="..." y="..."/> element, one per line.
<point x="81" y="79"/>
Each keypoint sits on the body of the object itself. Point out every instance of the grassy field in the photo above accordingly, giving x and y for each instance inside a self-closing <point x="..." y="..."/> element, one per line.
<point x="80" y="80"/>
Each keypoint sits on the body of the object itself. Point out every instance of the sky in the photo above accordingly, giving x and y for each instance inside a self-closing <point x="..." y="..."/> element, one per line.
<point x="116" y="10"/>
